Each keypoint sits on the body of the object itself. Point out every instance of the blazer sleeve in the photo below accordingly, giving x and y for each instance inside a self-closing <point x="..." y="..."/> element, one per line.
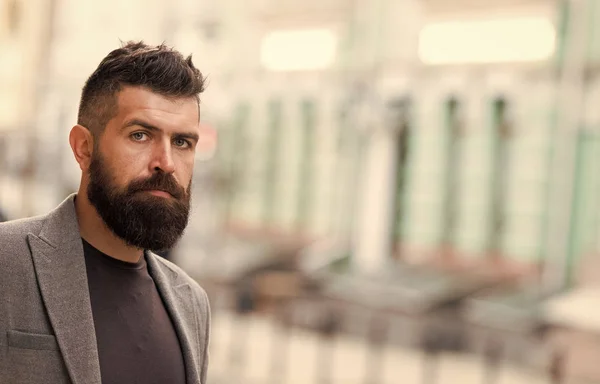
<point x="204" y="306"/>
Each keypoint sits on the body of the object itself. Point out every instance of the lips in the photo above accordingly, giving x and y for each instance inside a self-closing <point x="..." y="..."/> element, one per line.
<point x="159" y="193"/>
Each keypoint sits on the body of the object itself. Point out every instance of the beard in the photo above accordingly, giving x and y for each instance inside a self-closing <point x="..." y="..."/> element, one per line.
<point x="140" y="219"/>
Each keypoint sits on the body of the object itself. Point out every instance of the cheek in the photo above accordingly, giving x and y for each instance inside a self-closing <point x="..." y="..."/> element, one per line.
<point x="184" y="170"/>
<point x="127" y="166"/>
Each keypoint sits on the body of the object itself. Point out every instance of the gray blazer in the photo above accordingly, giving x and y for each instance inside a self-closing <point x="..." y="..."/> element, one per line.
<point x="46" y="327"/>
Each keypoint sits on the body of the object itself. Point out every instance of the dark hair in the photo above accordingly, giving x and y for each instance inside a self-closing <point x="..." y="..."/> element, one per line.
<point x="161" y="69"/>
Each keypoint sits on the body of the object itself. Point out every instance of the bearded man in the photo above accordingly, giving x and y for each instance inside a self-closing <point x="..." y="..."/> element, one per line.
<point x="83" y="298"/>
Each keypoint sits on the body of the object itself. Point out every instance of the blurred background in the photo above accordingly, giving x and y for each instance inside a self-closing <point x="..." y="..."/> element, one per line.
<point x="385" y="191"/>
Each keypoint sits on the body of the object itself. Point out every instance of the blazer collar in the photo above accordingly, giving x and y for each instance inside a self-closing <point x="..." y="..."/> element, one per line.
<point x="181" y="306"/>
<point x="57" y="253"/>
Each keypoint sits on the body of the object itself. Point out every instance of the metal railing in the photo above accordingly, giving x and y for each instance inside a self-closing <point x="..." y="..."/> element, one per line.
<point x="312" y="339"/>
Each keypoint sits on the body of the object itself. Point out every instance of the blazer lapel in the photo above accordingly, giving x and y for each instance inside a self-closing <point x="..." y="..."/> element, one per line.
<point x="181" y="306"/>
<point x="59" y="264"/>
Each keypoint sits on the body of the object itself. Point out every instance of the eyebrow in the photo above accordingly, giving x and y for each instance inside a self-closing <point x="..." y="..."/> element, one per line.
<point x="150" y="127"/>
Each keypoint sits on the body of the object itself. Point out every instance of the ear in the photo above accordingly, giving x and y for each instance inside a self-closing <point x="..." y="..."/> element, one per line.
<point x="82" y="145"/>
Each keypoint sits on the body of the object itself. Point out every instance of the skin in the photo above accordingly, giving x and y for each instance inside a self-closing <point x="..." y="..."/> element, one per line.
<point x="150" y="133"/>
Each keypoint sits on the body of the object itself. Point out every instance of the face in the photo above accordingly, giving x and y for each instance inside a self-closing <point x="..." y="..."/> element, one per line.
<point x="141" y="168"/>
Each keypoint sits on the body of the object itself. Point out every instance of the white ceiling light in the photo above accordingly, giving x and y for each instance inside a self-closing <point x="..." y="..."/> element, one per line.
<point x="487" y="41"/>
<point x="298" y="50"/>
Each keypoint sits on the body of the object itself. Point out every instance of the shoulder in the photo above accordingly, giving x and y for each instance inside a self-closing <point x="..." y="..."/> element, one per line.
<point x="22" y="226"/>
<point x="14" y="233"/>
<point x="15" y="256"/>
<point x="198" y="292"/>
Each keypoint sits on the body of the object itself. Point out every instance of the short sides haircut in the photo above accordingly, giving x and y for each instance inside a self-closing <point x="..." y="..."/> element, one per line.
<point x="160" y="69"/>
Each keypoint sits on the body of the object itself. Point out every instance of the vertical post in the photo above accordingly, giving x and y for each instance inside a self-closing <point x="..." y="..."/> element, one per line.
<point x="492" y="361"/>
<point x="452" y="109"/>
<point x="377" y="333"/>
<point x="307" y="179"/>
<point x="272" y="160"/>
<point x="569" y="103"/>
<point x="557" y="367"/>
<point x="280" y="342"/>
<point x="238" y="158"/>
<point x="400" y="124"/>
<point x="500" y="133"/>
<point x="240" y="327"/>
<point x="329" y="328"/>
<point x="431" y="359"/>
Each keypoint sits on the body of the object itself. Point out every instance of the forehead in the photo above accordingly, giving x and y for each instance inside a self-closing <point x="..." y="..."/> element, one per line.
<point x="161" y="111"/>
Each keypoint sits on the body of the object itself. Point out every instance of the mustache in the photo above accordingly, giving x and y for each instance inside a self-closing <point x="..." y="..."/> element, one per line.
<point x="159" y="181"/>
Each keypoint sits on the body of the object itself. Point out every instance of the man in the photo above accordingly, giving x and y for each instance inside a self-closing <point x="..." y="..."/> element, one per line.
<point x="83" y="298"/>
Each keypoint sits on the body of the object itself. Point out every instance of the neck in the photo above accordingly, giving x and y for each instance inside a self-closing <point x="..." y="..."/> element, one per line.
<point x="93" y="230"/>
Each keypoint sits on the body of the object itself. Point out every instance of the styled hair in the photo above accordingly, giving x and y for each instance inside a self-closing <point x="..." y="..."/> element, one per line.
<point x="160" y="69"/>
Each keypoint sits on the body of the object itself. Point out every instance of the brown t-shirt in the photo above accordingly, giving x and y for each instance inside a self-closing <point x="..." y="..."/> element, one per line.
<point x="136" y="339"/>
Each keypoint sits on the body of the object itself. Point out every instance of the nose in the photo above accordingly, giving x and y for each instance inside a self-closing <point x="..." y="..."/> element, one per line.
<point x="162" y="159"/>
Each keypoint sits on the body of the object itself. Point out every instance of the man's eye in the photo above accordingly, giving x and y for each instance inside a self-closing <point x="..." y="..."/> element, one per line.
<point x="138" y="136"/>
<point x="181" y="143"/>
